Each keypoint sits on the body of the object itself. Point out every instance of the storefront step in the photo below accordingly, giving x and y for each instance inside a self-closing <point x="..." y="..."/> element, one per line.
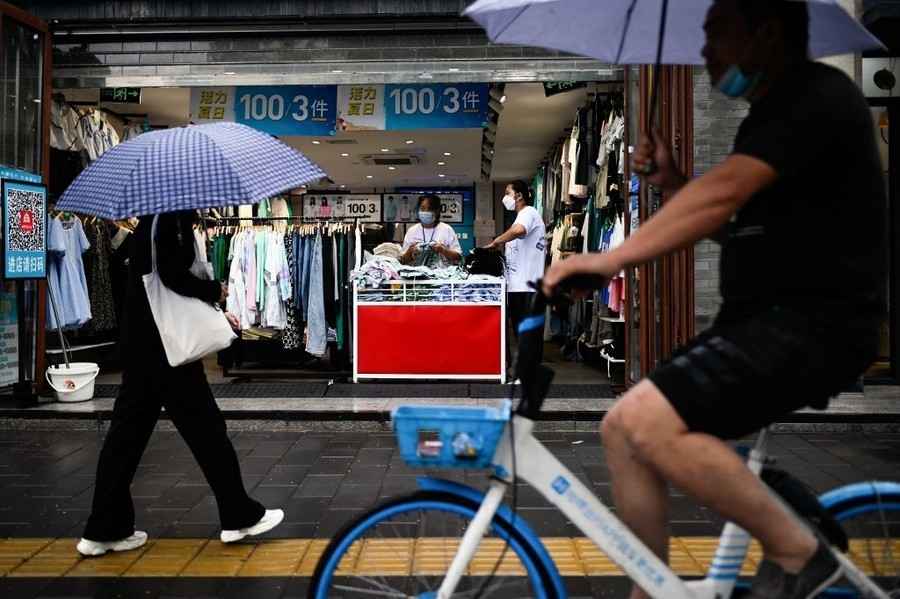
<point x="878" y="409"/>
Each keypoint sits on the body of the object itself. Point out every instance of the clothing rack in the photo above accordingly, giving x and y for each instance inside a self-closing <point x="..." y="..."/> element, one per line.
<point x="246" y="374"/>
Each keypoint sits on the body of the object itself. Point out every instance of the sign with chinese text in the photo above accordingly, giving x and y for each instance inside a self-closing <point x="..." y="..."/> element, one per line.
<point x="9" y="336"/>
<point x="212" y="104"/>
<point x="436" y="106"/>
<point x="361" y="108"/>
<point x="552" y="88"/>
<point x="18" y="175"/>
<point x="288" y="109"/>
<point x="24" y="230"/>
<point x="121" y="95"/>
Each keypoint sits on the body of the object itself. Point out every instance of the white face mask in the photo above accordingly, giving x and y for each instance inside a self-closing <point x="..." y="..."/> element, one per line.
<point x="509" y="202"/>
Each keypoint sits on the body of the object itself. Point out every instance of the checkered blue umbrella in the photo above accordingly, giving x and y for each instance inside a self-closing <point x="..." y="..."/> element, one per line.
<point x="199" y="166"/>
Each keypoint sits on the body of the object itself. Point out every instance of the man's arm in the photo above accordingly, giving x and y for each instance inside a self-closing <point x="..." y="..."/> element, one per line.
<point x="701" y="208"/>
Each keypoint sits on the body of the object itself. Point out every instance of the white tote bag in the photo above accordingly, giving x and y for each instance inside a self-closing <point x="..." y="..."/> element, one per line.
<point x="190" y="328"/>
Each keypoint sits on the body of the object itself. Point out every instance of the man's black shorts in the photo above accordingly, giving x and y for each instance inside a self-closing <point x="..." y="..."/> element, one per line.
<point x="744" y="374"/>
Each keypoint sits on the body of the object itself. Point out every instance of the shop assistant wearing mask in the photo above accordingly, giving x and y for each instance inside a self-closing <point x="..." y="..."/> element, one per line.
<point x="524" y="246"/>
<point x="430" y="242"/>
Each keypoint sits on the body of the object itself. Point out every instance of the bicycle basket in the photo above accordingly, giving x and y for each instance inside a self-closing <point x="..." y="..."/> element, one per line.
<point x="449" y="437"/>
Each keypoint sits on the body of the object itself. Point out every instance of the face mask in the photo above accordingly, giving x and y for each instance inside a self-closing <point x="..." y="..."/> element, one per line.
<point x="509" y="202"/>
<point x="426" y="218"/>
<point x="735" y="83"/>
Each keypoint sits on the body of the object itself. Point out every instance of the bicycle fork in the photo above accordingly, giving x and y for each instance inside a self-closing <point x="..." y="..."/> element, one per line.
<point x="472" y="538"/>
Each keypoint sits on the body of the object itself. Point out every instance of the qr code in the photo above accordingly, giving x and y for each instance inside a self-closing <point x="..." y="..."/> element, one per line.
<point x="25" y="220"/>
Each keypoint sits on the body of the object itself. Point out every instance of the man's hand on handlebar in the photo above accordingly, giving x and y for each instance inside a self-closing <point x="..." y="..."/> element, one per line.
<point x="579" y="274"/>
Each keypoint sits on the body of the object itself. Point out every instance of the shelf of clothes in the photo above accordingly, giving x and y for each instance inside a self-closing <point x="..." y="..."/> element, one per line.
<point x="82" y="132"/>
<point x="86" y="274"/>
<point x="579" y="190"/>
<point x="287" y="284"/>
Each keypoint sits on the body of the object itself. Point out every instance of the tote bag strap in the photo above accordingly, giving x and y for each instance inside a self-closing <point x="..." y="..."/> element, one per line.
<point x="153" y="244"/>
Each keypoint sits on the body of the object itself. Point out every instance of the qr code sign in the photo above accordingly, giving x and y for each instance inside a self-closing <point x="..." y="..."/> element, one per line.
<point x="25" y="220"/>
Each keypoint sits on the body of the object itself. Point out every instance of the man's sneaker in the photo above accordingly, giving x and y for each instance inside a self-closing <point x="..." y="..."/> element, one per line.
<point x="270" y="520"/>
<point x="820" y="572"/>
<point x="90" y="548"/>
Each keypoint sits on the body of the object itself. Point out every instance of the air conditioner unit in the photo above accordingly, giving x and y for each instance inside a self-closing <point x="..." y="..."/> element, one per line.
<point x="392" y="160"/>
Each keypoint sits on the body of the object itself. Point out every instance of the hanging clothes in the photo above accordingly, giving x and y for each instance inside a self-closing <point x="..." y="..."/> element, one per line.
<point x="66" y="244"/>
<point x="290" y="339"/>
<point x="97" y="260"/>
<point x="316" y="326"/>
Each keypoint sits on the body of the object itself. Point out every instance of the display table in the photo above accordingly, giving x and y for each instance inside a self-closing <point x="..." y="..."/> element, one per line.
<point x="430" y="330"/>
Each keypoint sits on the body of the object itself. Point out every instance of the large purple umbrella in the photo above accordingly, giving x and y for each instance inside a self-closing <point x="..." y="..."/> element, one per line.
<point x="627" y="31"/>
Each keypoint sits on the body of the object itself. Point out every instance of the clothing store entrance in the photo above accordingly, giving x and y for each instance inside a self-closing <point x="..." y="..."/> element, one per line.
<point x="566" y="141"/>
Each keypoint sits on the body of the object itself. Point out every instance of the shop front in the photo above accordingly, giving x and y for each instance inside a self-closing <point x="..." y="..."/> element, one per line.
<point x="393" y="108"/>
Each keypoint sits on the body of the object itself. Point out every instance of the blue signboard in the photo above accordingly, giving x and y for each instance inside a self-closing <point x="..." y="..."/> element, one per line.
<point x="436" y="106"/>
<point x="18" y="175"/>
<point x="24" y="230"/>
<point x="287" y="109"/>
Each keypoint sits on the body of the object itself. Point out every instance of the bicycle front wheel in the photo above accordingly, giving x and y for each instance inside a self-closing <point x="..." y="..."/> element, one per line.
<point x="404" y="547"/>
<point x="870" y="515"/>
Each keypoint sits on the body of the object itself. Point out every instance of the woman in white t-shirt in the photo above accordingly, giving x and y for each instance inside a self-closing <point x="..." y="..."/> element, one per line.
<point x="525" y="247"/>
<point x="430" y="242"/>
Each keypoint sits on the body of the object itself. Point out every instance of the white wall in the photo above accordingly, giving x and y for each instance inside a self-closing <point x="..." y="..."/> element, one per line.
<point x="849" y="63"/>
<point x="870" y="66"/>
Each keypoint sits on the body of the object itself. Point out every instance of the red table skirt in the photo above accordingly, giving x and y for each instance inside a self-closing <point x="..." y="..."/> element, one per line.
<point x="429" y="340"/>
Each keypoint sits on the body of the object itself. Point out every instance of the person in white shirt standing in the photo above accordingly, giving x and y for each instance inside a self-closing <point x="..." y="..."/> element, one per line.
<point x="525" y="247"/>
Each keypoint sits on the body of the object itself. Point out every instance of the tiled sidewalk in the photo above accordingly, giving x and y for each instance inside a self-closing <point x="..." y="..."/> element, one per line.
<point x="321" y="481"/>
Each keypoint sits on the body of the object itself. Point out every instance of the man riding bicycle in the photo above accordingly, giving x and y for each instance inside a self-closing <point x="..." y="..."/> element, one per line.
<point x="802" y="206"/>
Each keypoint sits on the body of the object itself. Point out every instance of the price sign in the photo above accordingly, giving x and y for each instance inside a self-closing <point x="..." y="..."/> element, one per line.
<point x="451" y="208"/>
<point x="364" y="207"/>
<point x="438" y="106"/>
<point x="288" y="109"/>
<point x="367" y="208"/>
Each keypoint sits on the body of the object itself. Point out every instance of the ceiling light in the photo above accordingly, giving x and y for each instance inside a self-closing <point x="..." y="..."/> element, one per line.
<point x="316" y="142"/>
<point x="229" y="73"/>
<point x="337" y="71"/>
<point x="503" y="99"/>
<point x="410" y="141"/>
<point x="385" y="149"/>
<point x="344" y="154"/>
<point x="370" y="176"/>
<point x="453" y="70"/>
<point x="442" y="163"/>
<point x="343" y="187"/>
<point x="392" y="168"/>
<point x="441" y="175"/>
<point x="448" y="153"/>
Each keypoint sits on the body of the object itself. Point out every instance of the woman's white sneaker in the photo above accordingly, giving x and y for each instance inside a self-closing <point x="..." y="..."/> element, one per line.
<point x="270" y="520"/>
<point x="89" y="548"/>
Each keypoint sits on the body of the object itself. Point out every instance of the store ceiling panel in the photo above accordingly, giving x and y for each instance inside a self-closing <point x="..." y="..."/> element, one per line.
<point x="385" y="159"/>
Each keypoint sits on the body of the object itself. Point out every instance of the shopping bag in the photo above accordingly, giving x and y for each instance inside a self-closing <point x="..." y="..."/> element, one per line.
<point x="190" y="328"/>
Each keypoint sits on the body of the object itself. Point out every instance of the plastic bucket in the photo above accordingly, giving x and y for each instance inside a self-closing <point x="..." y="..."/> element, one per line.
<point x="75" y="383"/>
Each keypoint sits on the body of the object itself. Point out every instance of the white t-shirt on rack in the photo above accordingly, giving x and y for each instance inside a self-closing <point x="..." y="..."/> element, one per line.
<point x="525" y="256"/>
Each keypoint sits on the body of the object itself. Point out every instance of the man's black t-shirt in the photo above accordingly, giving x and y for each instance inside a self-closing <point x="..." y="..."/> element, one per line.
<point x="816" y="238"/>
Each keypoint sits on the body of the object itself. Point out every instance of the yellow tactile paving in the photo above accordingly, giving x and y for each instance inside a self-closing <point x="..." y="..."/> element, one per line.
<point x="273" y="558"/>
<point x="15" y="551"/>
<point x="166" y="557"/>
<point x="51" y="558"/>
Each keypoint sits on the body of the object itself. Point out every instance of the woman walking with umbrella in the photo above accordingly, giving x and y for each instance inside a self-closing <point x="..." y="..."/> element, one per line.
<point x="171" y="174"/>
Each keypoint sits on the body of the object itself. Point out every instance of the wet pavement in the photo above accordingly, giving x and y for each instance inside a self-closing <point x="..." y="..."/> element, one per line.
<point x="321" y="480"/>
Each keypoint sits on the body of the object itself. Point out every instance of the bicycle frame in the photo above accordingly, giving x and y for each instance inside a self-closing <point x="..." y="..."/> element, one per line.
<point x="537" y="466"/>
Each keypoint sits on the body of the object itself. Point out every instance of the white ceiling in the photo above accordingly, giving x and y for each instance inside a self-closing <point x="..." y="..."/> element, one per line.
<point x="528" y="126"/>
<point x="462" y="167"/>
